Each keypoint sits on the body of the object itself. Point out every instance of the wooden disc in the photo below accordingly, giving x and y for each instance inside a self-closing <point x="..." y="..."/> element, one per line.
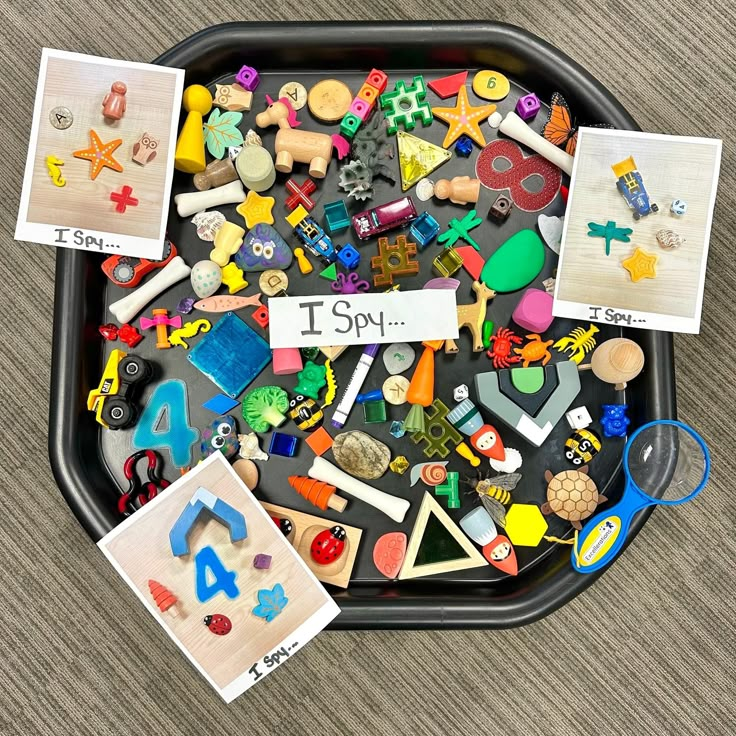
<point x="296" y="93"/>
<point x="329" y="100"/>
<point x="394" y="389"/>
<point x="273" y="282"/>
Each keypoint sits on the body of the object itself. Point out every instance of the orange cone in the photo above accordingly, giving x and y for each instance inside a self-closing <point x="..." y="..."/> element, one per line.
<point x="163" y="597"/>
<point x="322" y="495"/>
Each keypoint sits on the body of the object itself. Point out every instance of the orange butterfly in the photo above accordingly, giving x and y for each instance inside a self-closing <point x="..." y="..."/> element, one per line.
<point x="560" y="128"/>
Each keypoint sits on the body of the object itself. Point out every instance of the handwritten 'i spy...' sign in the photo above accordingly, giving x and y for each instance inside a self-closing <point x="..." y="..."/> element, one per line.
<point x="361" y="319"/>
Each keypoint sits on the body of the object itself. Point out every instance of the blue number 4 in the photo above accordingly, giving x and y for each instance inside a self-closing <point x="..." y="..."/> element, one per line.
<point x="206" y="560"/>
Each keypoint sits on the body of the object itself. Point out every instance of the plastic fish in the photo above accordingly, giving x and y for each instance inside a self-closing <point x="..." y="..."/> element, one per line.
<point x="226" y="303"/>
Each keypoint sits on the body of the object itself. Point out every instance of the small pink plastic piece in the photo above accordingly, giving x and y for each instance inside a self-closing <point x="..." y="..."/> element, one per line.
<point x="360" y="108"/>
<point x="534" y="310"/>
<point x="286" y="361"/>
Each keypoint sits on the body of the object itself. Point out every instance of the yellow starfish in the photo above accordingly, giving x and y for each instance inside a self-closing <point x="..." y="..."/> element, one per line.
<point x="99" y="154"/>
<point x="463" y="118"/>
<point x="256" y="209"/>
<point x="640" y="265"/>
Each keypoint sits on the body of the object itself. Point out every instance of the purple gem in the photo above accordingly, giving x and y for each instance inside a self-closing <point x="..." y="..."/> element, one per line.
<point x="262" y="562"/>
<point x="186" y="305"/>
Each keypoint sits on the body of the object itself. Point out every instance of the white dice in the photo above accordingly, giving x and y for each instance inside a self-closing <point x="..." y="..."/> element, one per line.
<point x="460" y="393"/>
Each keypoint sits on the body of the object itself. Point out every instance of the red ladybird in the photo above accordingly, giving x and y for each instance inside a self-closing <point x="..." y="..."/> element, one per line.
<point x="284" y="525"/>
<point x="328" y="545"/>
<point x="218" y="624"/>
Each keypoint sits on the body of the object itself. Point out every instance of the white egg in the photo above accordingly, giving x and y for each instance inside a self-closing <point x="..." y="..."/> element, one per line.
<point x="206" y="278"/>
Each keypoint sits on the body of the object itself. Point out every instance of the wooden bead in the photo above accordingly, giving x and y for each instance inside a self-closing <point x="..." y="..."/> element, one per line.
<point x="501" y="208"/>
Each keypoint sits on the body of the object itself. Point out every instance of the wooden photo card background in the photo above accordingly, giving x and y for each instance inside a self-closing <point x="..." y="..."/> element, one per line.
<point x="595" y="287"/>
<point x="153" y="103"/>
<point x="139" y="549"/>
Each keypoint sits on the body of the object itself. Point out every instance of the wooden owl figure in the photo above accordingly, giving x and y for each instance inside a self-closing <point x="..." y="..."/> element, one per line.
<point x="233" y="97"/>
<point x="144" y="149"/>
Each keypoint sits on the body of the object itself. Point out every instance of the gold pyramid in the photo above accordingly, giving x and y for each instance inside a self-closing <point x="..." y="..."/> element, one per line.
<point x="418" y="158"/>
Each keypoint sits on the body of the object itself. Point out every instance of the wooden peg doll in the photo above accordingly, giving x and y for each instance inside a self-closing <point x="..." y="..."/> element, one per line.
<point x="113" y="106"/>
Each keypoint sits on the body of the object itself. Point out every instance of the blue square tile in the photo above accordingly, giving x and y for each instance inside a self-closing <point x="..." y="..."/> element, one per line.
<point x="283" y="444"/>
<point x="231" y="355"/>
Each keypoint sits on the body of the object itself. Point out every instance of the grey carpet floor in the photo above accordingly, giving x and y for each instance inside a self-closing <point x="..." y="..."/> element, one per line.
<point x="649" y="649"/>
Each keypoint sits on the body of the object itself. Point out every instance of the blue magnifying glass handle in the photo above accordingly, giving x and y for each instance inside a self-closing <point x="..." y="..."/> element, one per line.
<point x="602" y="537"/>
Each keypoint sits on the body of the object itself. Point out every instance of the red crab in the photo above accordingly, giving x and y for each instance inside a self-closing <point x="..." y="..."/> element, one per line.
<point x="502" y="344"/>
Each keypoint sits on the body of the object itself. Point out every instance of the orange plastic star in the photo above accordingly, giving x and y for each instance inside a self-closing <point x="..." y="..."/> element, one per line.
<point x="99" y="154"/>
<point x="256" y="209"/>
<point x="640" y="265"/>
<point x="464" y="118"/>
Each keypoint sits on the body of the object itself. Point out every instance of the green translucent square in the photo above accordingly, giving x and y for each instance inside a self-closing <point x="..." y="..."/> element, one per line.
<point x="374" y="412"/>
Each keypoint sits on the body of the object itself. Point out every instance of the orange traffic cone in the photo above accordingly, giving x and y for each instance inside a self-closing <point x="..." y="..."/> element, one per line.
<point x="164" y="598"/>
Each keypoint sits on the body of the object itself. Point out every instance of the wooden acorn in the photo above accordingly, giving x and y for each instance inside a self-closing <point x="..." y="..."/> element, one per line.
<point x="164" y="598"/>
<point x="321" y="494"/>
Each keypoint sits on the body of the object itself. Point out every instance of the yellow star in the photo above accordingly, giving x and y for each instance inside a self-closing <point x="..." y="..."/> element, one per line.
<point x="640" y="265"/>
<point x="463" y="118"/>
<point x="256" y="209"/>
<point x="99" y="154"/>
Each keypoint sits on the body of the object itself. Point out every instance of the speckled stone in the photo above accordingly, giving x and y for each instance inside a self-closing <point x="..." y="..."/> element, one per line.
<point x="361" y="455"/>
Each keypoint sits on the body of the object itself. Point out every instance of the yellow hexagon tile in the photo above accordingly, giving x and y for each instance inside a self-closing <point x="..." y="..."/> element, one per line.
<point x="525" y="525"/>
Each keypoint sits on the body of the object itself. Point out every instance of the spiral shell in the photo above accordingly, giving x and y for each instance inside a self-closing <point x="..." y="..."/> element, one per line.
<point x="432" y="474"/>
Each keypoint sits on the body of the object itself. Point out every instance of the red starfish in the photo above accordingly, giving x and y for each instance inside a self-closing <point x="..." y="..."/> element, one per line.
<point x="99" y="154"/>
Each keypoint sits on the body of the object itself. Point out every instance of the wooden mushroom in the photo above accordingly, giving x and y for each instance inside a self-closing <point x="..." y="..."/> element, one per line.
<point x="616" y="361"/>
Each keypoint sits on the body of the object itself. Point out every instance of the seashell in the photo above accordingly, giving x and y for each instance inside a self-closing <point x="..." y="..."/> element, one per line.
<point x="252" y="139"/>
<point x="668" y="239"/>
<point x="249" y="447"/>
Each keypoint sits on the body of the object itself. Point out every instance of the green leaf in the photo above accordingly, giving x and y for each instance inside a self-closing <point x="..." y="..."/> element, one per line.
<point x="221" y="131"/>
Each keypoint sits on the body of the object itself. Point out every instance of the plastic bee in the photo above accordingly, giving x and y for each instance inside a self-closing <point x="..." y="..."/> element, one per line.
<point x="306" y="413"/>
<point x="582" y="446"/>
<point x="495" y="493"/>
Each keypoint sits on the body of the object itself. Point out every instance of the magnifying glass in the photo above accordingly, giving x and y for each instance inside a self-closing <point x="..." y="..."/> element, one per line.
<point x="666" y="463"/>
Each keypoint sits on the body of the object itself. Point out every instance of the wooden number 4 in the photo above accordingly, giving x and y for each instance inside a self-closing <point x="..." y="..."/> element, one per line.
<point x="206" y="561"/>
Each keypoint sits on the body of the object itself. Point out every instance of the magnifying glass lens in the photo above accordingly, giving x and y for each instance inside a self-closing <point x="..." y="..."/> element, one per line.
<point x="666" y="462"/>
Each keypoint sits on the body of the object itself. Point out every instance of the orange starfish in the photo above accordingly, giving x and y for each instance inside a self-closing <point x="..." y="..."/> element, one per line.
<point x="99" y="154"/>
<point x="641" y="265"/>
<point x="463" y="118"/>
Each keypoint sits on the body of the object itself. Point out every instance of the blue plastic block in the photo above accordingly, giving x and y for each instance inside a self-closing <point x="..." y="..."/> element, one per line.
<point x="336" y="217"/>
<point x="283" y="444"/>
<point x="348" y="256"/>
<point x="464" y="147"/>
<point x="231" y="355"/>
<point x="204" y="500"/>
<point x="164" y="423"/>
<point x="220" y="404"/>
<point x="424" y="230"/>
<point x="224" y="580"/>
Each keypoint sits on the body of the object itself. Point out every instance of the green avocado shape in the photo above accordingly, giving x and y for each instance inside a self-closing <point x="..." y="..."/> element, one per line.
<point x="515" y="264"/>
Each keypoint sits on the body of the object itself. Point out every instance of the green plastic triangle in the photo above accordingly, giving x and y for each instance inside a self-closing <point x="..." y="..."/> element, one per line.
<point x="418" y="158"/>
<point x="330" y="273"/>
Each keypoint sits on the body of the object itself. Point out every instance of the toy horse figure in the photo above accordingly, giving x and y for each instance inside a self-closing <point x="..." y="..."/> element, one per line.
<point x="303" y="146"/>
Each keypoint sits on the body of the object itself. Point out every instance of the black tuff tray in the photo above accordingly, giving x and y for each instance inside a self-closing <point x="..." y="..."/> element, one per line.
<point x="87" y="460"/>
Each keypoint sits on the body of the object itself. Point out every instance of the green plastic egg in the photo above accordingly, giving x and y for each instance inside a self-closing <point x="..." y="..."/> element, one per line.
<point x="515" y="264"/>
